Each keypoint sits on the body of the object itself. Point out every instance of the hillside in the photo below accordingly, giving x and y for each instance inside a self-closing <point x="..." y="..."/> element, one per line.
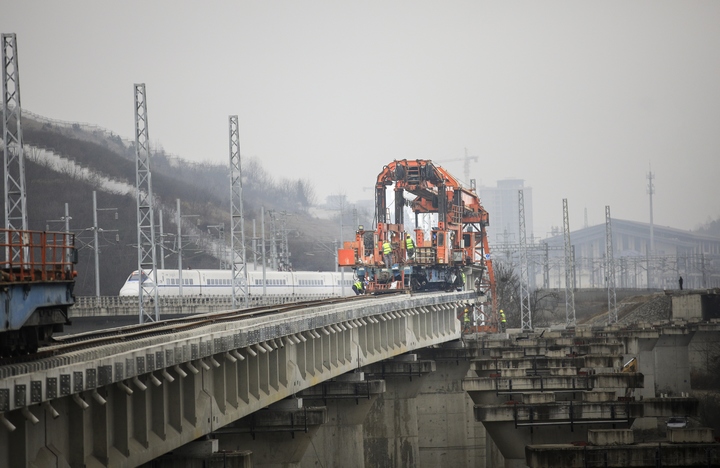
<point x="646" y="308"/>
<point x="96" y="159"/>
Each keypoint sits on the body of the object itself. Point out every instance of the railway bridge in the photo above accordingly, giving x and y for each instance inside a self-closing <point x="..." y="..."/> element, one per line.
<point x="125" y="400"/>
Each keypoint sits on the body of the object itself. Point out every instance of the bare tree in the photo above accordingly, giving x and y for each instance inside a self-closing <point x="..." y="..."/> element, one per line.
<point x="508" y="291"/>
<point x="543" y="303"/>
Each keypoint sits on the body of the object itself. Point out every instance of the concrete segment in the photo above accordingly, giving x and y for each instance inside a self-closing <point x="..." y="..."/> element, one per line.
<point x="610" y="437"/>
<point x="640" y="455"/>
<point x="694" y="435"/>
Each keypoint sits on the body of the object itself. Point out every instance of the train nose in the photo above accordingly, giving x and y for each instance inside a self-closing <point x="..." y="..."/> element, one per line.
<point x="128" y="291"/>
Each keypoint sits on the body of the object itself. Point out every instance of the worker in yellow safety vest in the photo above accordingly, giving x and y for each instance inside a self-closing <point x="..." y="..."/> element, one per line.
<point x="503" y="321"/>
<point x="387" y="253"/>
<point x="358" y="287"/>
<point x="410" y="246"/>
<point x="466" y="320"/>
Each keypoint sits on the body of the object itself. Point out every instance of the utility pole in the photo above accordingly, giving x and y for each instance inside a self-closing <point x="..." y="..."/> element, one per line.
<point x="162" y="242"/>
<point x="569" y="271"/>
<point x="178" y="221"/>
<point x="273" y="244"/>
<point x="15" y="197"/>
<point x="254" y="246"/>
<point x="66" y="241"/>
<point x="342" y="270"/>
<point x="145" y="215"/>
<point x="546" y="268"/>
<point x="525" y="313"/>
<point x="610" y="270"/>
<point x="96" y="229"/>
<point x="651" y="249"/>
<point x="262" y="246"/>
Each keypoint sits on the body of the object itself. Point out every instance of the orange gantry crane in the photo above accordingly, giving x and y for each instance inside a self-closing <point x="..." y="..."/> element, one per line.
<point x="445" y="255"/>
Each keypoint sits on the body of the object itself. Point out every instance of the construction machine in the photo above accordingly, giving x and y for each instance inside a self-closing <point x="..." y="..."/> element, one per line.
<point x="452" y="254"/>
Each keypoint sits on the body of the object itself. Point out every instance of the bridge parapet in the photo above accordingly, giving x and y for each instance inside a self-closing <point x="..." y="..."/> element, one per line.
<point x="115" y="306"/>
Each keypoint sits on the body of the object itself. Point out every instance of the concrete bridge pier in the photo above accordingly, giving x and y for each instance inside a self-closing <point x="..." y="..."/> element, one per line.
<point x="449" y="435"/>
<point x="402" y="412"/>
<point x="663" y="359"/>
<point x="336" y="440"/>
<point x="340" y="441"/>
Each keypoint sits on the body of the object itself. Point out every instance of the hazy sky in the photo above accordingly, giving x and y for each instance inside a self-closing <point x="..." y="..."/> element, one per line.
<point x="577" y="98"/>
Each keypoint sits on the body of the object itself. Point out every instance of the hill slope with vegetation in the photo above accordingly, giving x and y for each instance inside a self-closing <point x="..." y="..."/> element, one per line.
<point x="204" y="191"/>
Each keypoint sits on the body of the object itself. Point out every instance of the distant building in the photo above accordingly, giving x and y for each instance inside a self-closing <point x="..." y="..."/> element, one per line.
<point x="502" y="204"/>
<point x="693" y="256"/>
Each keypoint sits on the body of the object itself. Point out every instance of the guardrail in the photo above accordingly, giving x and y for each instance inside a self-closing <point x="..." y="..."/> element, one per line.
<point x="88" y="306"/>
<point x="36" y="255"/>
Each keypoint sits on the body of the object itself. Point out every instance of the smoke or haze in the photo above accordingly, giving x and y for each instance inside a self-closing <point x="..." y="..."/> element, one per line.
<point x="577" y="98"/>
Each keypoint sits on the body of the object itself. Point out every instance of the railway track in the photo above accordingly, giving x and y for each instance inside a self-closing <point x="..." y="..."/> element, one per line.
<point x="84" y="341"/>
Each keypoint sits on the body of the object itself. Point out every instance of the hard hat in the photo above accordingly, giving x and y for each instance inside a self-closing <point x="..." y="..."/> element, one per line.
<point x="408" y="235"/>
<point x="500" y="310"/>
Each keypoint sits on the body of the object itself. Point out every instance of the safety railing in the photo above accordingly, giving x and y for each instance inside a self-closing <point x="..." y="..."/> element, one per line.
<point x="570" y="413"/>
<point x="119" y="305"/>
<point x="36" y="255"/>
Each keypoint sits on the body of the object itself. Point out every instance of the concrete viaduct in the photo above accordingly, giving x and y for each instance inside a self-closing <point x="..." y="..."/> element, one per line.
<point x="382" y="383"/>
<point x="127" y="404"/>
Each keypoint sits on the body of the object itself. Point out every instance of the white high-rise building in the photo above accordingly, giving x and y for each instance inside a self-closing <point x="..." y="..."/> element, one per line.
<point x="501" y="202"/>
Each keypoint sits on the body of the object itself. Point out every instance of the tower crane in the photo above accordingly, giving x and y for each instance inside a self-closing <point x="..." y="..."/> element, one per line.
<point x="466" y="164"/>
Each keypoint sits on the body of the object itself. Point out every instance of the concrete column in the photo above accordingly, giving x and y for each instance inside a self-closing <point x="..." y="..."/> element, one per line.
<point x="218" y="376"/>
<point x="390" y="430"/>
<point x="158" y="409"/>
<point x="100" y="435"/>
<point x="447" y="430"/>
<point x="78" y="439"/>
<point x="339" y="442"/>
<point x="121" y="420"/>
<point x="672" y="365"/>
<point x="18" y="456"/>
<point x="140" y="417"/>
<point x="190" y="386"/>
<point x="174" y="396"/>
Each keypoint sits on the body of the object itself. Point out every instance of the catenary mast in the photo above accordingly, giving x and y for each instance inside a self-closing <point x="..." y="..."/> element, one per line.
<point x="15" y="197"/>
<point x="145" y="216"/>
<point x="237" y="231"/>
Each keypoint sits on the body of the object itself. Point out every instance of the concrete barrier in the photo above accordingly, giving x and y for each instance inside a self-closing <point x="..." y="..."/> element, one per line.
<point x="594" y="397"/>
<point x="606" y="437"/>
<point x="696" y="435"/>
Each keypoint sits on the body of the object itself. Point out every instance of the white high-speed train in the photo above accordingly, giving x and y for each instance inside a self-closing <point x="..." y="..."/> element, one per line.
<point x="219" y="283"/>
